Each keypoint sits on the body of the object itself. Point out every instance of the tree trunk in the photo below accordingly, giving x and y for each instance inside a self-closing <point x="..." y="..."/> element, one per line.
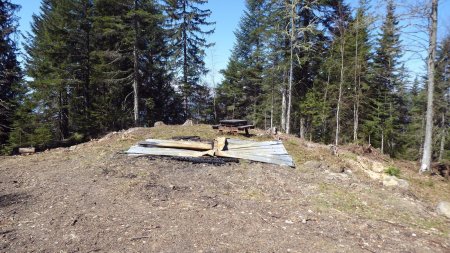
<point x="136" y="68"/>
<point x="302" y="128"/>
<point x="272" y="107"/>
<point x="443" y="133"/>
<point x="291" y="68"/>
<point x="265" y="120"/>
<point x="214" y="104"/>
<point x="283" y="104"/>
<point x="87" y="76"/>
<point x="341" y="83"/>
<point x="427" y="146"/>
<point x="325" y="96"/>
<point x="63" y="114"/>
<point x="185" y="65"/>
<point x="254" y="111"/>
<point x="356" y="88"/>
<point x="422" y="136"/>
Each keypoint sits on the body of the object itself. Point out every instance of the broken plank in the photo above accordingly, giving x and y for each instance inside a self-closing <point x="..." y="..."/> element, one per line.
<point x="138" y="150"/>
<point x="191" y="145"/>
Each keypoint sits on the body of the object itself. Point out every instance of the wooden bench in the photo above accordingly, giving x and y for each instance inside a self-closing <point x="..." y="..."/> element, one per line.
<point x="235" y="130"/>
<point x="246" y="128"/>
<point x="233" y="126"/>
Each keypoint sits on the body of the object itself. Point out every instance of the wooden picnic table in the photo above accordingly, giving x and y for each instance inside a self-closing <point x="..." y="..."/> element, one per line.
<point x="233" y="126"/>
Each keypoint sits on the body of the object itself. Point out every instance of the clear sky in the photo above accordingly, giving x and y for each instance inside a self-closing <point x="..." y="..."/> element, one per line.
<point x="227" y="13"/>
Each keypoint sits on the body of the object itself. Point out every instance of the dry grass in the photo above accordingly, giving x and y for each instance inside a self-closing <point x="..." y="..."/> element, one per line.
<point x="272" y="194"/>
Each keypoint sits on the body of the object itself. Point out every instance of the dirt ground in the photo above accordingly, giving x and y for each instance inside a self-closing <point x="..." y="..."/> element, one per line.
<point x="92" y="198"/>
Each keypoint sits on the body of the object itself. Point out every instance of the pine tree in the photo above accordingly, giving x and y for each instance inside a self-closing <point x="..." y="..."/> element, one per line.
<point x="11" y="90"/>
<point x="59" y="65"/>
<point x="86" y="59"/>
<point x="386" y="85"/>
<point x="442" y="103"/>
<point x="185" y="21"/>
<point x="415" y="99"/>
<point x="130" y="62"/>
<point x="241" y="88"/>
<point x="360" y="40"/>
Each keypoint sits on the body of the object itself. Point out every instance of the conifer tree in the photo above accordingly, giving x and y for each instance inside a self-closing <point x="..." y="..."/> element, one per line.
<point x="386" y="85"/>
<point x="360" y="40"/>
<point x="10" y="73"/>
<point x="130" y="61"/>
<point x="442" y="103"/>
<point x="416" y="104"/>
<point x="186" y="23"/>
<point x="85" y="59"/>
<point x="242" y="85"/>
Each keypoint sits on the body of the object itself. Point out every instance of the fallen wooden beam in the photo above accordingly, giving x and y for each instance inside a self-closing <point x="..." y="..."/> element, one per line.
<point x="191" y="145"/>
<point x="139" y="150"/>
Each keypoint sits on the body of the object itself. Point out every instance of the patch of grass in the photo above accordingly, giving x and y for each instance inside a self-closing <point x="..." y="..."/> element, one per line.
<point x="77" y="137"/>
<point x="392" y="171"/>
<point x="334" y="197"/>
<point x="374" y="206"/>
<point x="254" y="194"/>
<point x="167" y="132"/>
<point x="350" y="156"/>
<point x="429" y="183"/>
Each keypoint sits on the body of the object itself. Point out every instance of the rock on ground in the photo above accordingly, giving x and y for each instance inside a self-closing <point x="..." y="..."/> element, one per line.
<point x="313" y="165"/>
<point x="392" y="181"/>
<point x="444" y="209"/>
<point x="159" y="123"/>
<point x="188" y="123"/>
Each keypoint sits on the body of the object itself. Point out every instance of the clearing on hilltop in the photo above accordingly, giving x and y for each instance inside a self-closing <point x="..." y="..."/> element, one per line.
<point x="93" y="197"/>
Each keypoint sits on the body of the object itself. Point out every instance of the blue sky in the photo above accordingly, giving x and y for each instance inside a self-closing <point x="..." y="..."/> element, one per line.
<point x="227" y="13"/>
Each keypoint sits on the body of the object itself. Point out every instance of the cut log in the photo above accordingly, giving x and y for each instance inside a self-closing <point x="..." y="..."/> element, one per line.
<point x="27" y="150"/>
<point x="190" y="145"/>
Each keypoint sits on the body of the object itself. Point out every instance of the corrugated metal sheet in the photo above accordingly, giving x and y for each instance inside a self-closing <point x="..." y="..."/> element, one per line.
<point x="272" y="152"/>
<point x="267" y="151"/>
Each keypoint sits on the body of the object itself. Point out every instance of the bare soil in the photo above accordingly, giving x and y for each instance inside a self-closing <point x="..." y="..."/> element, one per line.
<point x="92" y="198"/>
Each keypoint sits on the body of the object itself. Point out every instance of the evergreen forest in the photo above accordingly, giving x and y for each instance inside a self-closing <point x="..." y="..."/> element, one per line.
<point x="319" y="69"/>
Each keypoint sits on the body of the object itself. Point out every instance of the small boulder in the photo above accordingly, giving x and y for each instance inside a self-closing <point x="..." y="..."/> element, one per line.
<point x="314" y="165"/>
<point x="188" y="123"/>
<point x="443" y="208"/>
<point x="391" y="181"/>
<point x="159" y="123"/>
<point x="377" y="167"/>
